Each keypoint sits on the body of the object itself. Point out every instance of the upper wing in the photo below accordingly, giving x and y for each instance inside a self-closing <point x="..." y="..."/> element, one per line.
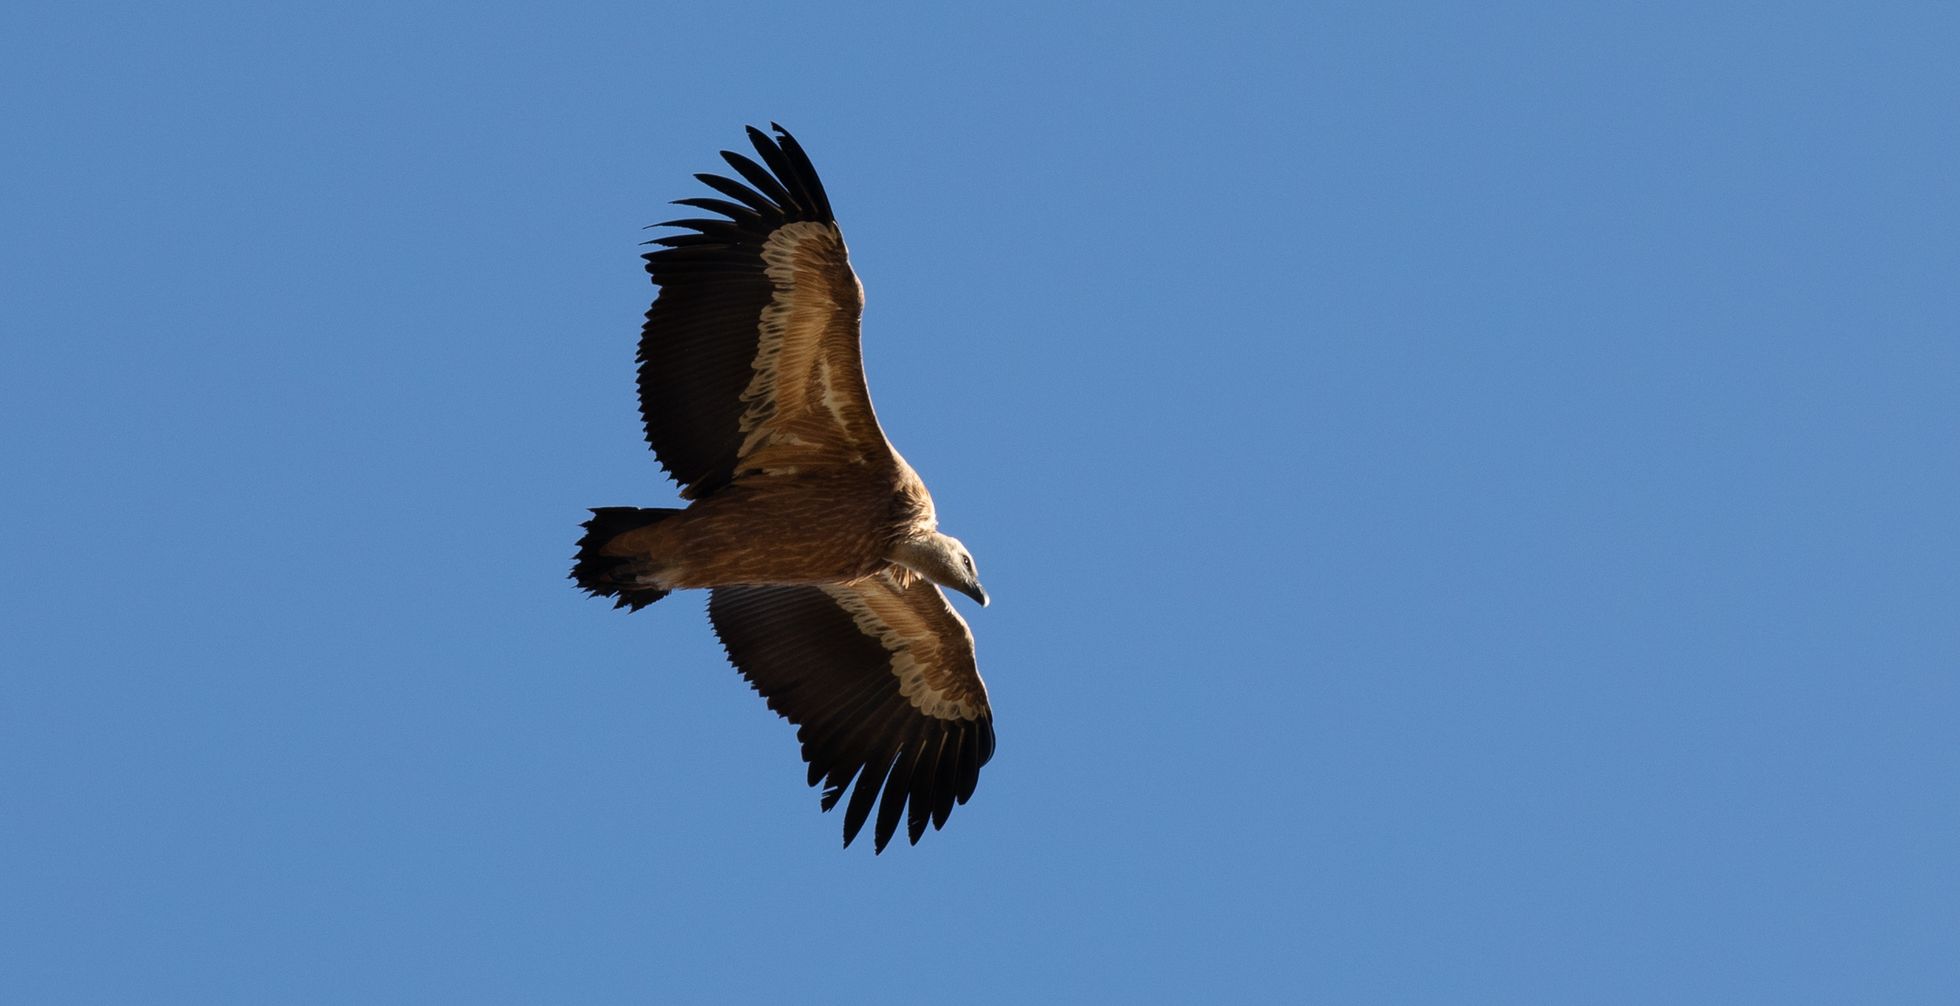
<point x="749" y="358"/>
<point x="881" y="682"/>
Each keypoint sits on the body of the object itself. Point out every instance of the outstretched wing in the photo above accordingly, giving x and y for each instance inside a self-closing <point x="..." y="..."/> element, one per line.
<point x="881" y="682"/>
<point x="749" y="359"/>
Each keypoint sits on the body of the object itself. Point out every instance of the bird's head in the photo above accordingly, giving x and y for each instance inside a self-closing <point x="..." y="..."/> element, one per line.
<point x="943" y="560"/>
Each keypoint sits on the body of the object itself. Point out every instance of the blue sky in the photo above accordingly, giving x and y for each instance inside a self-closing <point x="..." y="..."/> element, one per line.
<point x="1469" y="498"/>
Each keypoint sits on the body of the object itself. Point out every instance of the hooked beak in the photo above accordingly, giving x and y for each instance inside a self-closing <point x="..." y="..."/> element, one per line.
<point x="977" y="592"/>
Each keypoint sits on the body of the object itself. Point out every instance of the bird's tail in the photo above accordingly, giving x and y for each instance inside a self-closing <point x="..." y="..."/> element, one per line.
<point x="616" y="576"/>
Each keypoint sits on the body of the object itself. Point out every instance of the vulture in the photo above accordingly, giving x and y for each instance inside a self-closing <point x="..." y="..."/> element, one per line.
<point x="817" y="543"/>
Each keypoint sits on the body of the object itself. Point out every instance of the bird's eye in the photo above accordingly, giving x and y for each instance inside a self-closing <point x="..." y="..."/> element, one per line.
<point x="969" y="562"/>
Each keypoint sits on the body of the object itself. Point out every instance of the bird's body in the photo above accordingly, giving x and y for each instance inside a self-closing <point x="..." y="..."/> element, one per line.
<point x="820" y="544"/>
<point x="819" y="527"/>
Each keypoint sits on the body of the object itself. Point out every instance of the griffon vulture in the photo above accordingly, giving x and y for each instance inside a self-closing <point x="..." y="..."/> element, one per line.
<point x="818" y="543"/>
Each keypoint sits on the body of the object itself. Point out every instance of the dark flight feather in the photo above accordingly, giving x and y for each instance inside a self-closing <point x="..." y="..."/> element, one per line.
<point x="817" y="667"/>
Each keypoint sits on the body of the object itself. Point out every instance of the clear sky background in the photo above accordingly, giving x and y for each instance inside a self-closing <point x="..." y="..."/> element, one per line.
<point x="1469" y="493"/>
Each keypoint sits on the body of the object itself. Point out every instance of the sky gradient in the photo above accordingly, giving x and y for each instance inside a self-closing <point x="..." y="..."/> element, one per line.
<point x="1468" y="496"/>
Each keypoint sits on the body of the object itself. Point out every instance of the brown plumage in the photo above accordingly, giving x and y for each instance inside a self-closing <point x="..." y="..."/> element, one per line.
<point x="819" y="543"/>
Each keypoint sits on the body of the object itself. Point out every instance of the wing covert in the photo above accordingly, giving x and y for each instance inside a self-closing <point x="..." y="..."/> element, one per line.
<point x="749" y="358"/>
<point x="880" y="680"/>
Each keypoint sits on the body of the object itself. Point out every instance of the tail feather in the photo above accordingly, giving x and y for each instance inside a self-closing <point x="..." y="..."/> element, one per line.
<point x="611" y="576"/>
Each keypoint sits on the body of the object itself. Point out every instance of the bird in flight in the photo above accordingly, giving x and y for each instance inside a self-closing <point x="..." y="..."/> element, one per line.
<point x="818" y="544"/>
